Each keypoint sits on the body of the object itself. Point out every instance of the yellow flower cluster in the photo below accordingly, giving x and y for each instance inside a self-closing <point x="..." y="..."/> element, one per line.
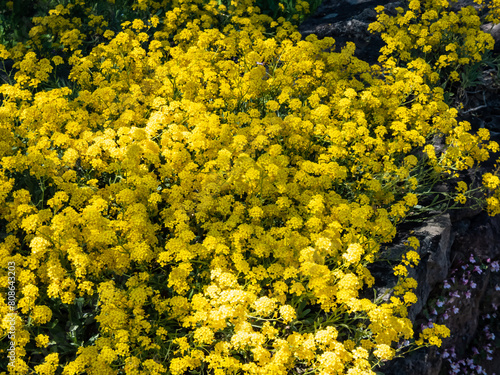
<point x="492" y="184"/>
<point x="433" y="39"/>
<point x="215" y="186"/>
<point x="433" y="335"/>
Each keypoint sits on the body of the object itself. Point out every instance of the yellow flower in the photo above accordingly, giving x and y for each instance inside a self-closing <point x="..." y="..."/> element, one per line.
<point x="49" y="366"/>
<point x="265" y="306"/>
<point x="410" y="298"/>
<point x="42" y="341"/>
<point x="203" y="335"/>
<point x="412" y="257"/>
<point x="272" y="105"/>
<point x="460" y="198"/>
<point x="384" y="352"/>
<point x="400" y="270"/>
<point x="288" y="314"/>
<point x="41" y="314"/>
<point x="414" y="5"/>
<point x="354" y="253"/>
<point x="491" y="181"/>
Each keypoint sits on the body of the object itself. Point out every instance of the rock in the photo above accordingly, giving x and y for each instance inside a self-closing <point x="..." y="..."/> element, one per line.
<point x="494" y="30"/>
<point x="347" y="20"/>
<point x="479" y="236"/>
<point x="355" y="2"/>
<point x="435" y="238"/>
<point x="439" y="240"/>
<point x="422" y="362"/>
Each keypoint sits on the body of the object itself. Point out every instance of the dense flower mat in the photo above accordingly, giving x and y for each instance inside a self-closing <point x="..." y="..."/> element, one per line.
<point x="202" y="191"/>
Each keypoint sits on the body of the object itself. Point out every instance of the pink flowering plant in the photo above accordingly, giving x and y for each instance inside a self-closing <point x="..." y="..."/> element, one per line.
<point x="458" y="292"/>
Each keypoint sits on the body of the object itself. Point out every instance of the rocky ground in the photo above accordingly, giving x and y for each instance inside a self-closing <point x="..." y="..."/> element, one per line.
<point x="347" y="20"/>
<point x="458" y="249"/>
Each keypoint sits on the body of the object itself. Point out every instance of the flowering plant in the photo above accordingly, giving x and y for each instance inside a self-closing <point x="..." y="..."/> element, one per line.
<point x="206" y="192"/>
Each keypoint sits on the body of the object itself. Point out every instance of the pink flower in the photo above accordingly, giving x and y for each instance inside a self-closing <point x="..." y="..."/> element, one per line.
<point x="467" y="294"/>
<point x="473" y="285"/>
<point x="495" y="267"/>
<point x="455" y="310"/>
<point x="471" y="259"/>
<point x="478" y="270"/>
<point x="470" y="362"/>
<point x="452" y="351"/>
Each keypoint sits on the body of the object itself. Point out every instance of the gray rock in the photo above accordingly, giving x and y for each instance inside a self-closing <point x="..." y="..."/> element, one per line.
<point x="347" y="20"/>
<point x="481" y="238"/>
<point x="355" y="2"/>
<point x="492" y="29"/>
<point x="422" y="362"/>
<point x="435" y="239"/>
